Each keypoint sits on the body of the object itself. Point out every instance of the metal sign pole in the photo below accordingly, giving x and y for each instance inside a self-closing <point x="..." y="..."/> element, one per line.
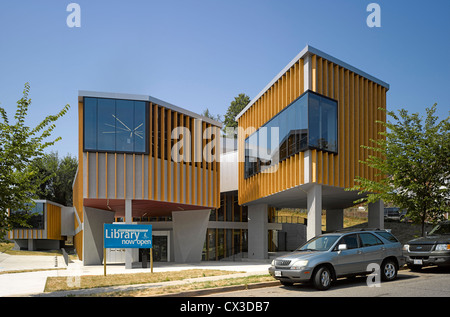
<point x="104" y="261"/>
<point x="151" y="259"/>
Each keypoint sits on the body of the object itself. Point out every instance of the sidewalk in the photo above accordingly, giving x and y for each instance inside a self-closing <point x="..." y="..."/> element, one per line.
<point x="33" y="283"/>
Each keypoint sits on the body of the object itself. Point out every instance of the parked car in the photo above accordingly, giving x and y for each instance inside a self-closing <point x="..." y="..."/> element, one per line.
<point x="333" y="255"/>
<point x="433" y="249"/>
<point x="392" y="214"/>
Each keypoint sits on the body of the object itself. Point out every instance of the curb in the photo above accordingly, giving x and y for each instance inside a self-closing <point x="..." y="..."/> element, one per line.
<point x="209" y="291"/>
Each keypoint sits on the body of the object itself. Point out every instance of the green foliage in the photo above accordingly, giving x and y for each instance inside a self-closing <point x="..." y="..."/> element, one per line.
<point x="236" y="106"/>
<point x="55" y="177"/>
<point x="19" y="146"/>
<point x="208" y="114"/>
<point x="414" y="165"/>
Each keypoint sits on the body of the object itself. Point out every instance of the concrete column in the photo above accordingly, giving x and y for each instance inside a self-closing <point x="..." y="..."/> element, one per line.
<point x="31" y="245"/>
<point x="189" y="232"/>
<point x="128" y="220"/>
<point x="314" y="205"/>
<point x="335" y="219"/>
<point x="257" y="231"/>
<point x="376" y="215"/>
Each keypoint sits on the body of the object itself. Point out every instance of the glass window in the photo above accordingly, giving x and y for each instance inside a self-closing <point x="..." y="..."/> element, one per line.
<point x="112" y="125"/>
<point x="387" y="236"/>
<point x="33" y="216"/>
<point x="106" y="122"/>
<point x="351" y="241"/>
<point x="368" y="240"/>
<point x="90" y="123"/>
<point x="308" y="122"/>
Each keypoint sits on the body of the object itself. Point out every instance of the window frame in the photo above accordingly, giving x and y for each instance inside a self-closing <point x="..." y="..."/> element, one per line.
<point x="301" y="149"/>
<point x="146" y="121"/>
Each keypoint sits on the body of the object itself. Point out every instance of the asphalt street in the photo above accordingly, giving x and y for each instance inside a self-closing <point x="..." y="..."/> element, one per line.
<point x="430" y="282"/>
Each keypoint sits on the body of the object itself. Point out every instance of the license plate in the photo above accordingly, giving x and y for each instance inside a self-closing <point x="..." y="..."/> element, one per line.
<point x="277" y="273"/>
<point x="418" y="262"/>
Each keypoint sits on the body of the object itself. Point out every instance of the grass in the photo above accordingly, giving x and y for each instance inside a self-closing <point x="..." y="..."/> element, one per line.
<point x="190" y="287"/>
<point x="7" y="248"/>
<point x="62" y="283"/>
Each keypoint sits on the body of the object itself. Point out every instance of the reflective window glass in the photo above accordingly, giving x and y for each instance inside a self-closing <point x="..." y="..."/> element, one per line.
<point x="112" y="125"/>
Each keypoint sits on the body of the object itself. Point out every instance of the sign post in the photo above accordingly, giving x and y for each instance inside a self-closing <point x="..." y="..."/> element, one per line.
<point x="127" y="236"/>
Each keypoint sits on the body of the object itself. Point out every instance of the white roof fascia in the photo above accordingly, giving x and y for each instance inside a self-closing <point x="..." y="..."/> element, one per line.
<point x="312" y="51"/>
<point x="96" y="94"/>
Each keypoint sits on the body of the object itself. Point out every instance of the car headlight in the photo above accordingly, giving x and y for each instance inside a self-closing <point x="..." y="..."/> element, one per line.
<point x="442" y="247"/>
<point x="406" y="247"/>
<point x="298" y="265"/>
<point x="273" y="263"/>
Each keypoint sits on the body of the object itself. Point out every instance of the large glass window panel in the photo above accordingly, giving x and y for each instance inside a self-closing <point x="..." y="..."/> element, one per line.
<point x="309" y="122"/>
<point x="106" y="112"/>
<point x="90" y="123"/>
<point x="124" y="125"/>
<point x="139" y="128"/>
<point x="112" y="125"/>
<point x="329" y="124"/>
<point x="314" y="121"/>
<point x="35" y="216"/>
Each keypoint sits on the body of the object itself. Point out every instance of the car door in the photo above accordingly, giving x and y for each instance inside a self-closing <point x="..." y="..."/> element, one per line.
<point x="373" y="249"/>
<point x="351" y="260"/>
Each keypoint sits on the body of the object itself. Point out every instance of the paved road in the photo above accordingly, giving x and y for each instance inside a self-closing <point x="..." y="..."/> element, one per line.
<point x="430" y="282"/>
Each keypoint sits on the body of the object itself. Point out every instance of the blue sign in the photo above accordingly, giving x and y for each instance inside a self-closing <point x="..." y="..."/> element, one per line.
<point x="127" y="236"/>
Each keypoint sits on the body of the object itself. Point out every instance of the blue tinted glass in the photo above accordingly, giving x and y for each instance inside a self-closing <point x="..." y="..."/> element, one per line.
<point x="106" y="125"/>
<point x="139" y="133"/>
<point x="328" y="124"/>
<point x="311" y="121"/>
<point x="314" y="121"/>
<point x="90" y="123"/>
<point x="124" y="126"/>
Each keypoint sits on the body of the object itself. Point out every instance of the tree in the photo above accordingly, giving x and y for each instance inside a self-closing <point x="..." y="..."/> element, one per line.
<point x="55" y="177"/>
<point x="206" y="113"/>
<point x="413" y="159"/>
<point x="236" y="106"/>
<point x="19" y="146"/>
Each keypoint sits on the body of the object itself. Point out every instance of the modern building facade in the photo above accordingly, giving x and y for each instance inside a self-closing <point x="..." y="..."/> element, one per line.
<point x="127" y="170"/>
<point x="48" y="227"/>
<point x="300" y="143"/>
<point x="143" y="160"/>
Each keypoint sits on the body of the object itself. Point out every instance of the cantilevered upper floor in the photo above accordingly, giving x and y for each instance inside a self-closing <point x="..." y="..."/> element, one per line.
<point x="307" y="126"/>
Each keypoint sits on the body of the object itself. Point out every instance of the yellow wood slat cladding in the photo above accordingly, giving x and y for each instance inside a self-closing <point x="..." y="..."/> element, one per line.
<point x="53" y="222"/>
<point x="358" y="101"/>
<point x="195" y="182"/>
<point x="289" y="172"/>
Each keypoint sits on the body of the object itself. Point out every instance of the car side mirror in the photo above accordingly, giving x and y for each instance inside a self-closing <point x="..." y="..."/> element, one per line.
<point x="342" y="247"/>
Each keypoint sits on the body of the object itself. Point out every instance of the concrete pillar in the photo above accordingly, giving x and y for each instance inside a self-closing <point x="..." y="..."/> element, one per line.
<point x="189" y="233"/>
<point x="376" y="215"/>
<point x="128" y="220"/>
<point x="93" y="234"/>
<point x="314" y="206"/>
<point x="335" y="219"/>
<point x="31" y="245"/>
<point x="257" y="231"/>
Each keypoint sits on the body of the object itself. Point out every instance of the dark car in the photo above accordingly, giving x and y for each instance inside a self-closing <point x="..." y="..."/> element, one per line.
<point x="433" y="249"/>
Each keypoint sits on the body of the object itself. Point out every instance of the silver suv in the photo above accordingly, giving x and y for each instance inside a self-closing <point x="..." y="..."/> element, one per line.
<point x="345" y="253"/>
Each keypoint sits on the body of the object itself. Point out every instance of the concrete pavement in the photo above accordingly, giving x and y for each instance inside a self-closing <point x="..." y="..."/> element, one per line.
<point x="33" y="283"/>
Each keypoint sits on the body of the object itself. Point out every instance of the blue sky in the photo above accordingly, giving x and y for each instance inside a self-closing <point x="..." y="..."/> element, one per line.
<point x="200" y="54"/>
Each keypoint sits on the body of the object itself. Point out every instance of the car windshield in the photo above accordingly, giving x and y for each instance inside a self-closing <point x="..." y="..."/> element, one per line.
<point x="443" y="228"/>
<point x="321" y="243"/>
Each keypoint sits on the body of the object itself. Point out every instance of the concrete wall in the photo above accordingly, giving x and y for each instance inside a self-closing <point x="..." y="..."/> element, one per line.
<point x="93" y="234"/>
<point x="189" y="233"/>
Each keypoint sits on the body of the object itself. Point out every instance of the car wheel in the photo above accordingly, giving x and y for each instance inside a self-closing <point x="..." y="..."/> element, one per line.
<point x="322" y="278"/>
<point x="388" y="270"/>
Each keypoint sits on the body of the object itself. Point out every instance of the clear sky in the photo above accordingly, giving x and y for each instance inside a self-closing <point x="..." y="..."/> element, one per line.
<point x="200" y="54"/>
